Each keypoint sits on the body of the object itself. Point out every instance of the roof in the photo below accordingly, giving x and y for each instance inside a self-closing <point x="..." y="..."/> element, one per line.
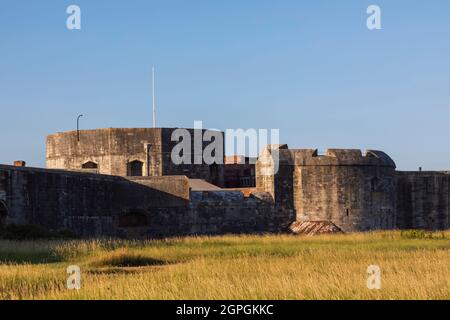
<point x="130" y="130"/>
<point x="311" y="228"/>
<point x="202" y="185"/>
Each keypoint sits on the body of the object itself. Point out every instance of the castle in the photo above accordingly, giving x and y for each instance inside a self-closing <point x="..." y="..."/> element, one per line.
<point x="122" y="183"/>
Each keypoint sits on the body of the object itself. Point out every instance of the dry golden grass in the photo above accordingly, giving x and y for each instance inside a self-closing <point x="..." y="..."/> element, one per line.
<point x="415" y="265"/>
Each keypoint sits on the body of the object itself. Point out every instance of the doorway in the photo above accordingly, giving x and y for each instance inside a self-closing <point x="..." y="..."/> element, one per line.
<point x="135" y="168"/>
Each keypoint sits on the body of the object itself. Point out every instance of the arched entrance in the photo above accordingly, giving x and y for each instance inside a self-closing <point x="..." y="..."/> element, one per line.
<point x="89" y="165"/>
<point x="3" y="213"/>
<point x="133" y="220"/>
<point x="135" y="168"/>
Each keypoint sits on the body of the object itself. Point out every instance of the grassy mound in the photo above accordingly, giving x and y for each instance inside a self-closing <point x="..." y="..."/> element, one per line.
<point x="122" y="258"/>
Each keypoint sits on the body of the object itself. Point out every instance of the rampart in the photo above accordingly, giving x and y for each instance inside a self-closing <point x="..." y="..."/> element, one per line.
<point x="423" y="200"/>
<point x="93" y="205"/>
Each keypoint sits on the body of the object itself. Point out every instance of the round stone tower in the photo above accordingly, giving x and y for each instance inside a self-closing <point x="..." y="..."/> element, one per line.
<point x="354" y="191"/>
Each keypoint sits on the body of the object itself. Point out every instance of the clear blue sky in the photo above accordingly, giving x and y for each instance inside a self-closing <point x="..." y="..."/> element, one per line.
<point x="310" y="68"/>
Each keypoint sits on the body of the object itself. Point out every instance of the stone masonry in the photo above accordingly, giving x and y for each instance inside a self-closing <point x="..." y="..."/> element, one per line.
<point x="122" y="183"/>
<point x="146" y="151"/>
<point x="356" y="192"/>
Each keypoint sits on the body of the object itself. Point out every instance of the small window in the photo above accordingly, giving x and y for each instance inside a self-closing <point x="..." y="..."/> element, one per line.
<point x="133" y="220"/>
<point x="90" y="165"/>
<point x="135" y="168"/>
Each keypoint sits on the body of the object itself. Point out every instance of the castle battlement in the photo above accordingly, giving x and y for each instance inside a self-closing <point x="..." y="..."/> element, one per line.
<point x="332" y="157"/>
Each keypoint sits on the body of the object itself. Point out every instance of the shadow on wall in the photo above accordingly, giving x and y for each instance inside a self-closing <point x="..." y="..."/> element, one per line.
<point x="140" y="207"/>
<point x="3" y="213"/>
<point x="88" y="204"/>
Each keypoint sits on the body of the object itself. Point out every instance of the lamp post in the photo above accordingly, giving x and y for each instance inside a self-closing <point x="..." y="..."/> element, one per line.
<point x="78" y="126"/>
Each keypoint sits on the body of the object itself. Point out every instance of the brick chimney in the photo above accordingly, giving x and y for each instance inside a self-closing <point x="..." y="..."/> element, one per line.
<point x="19" y="163"/>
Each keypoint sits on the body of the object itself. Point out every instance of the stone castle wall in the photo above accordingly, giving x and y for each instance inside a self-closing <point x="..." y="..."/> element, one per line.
<point x="354" y="191"/>
<point x="423" y="200"/>
<point x="93" y="205"/>
<point x="113" y="149"/>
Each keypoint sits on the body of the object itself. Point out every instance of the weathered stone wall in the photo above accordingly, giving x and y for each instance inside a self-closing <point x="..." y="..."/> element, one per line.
<point x="423" y="200"/>
<point x="113" y="149"/>
<point x="268" y="174"/>
<point x="222" y="212"/>
<point x="88" y="204"/>
<point x="355" y="192"/>
<point x="196" y="168"/>
<point x="102" y="205"/>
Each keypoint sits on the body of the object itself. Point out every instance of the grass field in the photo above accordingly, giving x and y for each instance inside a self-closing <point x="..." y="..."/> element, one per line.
<point x="415" y="265"/>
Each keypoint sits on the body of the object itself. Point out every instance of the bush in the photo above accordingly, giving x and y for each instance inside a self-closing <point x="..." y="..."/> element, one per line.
<point x="422" y="234"/>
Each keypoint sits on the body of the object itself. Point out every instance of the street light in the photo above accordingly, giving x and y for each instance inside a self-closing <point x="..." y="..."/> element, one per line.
<point x="78" y="126"/>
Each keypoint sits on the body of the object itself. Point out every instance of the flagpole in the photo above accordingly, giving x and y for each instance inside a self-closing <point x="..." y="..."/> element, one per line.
<point x="153" y="97"/>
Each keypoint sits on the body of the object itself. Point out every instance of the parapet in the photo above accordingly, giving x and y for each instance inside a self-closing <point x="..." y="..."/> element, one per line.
<point x="332" y="157"/>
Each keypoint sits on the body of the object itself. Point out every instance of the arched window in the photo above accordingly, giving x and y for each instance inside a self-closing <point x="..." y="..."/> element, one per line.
<point x="90" y="165"/>
<point x="135" y="168"/>
<point x="133" y="220"/>
<point x="3" y="213"/>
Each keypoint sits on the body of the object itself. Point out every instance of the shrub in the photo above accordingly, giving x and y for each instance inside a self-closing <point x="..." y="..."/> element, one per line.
<point x="422" y="234"/>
